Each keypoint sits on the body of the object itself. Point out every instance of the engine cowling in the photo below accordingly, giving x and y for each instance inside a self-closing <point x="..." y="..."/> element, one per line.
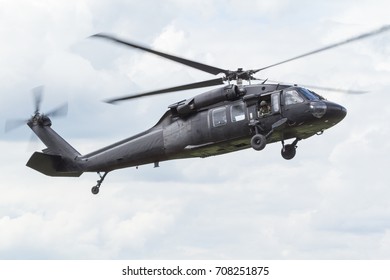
<point x="227" y="93"/>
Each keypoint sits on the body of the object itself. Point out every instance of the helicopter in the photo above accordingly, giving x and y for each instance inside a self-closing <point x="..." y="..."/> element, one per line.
<point x="229" y="118"/>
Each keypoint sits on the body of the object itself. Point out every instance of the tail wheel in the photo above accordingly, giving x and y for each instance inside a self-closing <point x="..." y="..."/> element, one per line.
<point x="258" y="142"/>
<point x="95" y="190"/>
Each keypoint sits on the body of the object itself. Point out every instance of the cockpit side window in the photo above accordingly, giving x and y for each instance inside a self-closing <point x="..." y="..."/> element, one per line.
<point x="292" y="97"/>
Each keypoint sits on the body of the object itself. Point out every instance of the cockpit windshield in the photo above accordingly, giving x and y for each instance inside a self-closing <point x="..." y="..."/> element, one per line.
<point x="309" y="95"/>
<point x="292" y="97"/>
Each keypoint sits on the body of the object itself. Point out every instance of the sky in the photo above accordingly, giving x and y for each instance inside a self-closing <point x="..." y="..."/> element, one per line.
<point x="329" y="202"/>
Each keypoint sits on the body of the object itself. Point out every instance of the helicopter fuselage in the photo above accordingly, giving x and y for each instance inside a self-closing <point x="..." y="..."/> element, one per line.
<point x="195" y="128"/>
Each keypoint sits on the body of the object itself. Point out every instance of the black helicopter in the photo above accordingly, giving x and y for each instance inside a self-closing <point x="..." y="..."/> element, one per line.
<point x="226" y="119"/>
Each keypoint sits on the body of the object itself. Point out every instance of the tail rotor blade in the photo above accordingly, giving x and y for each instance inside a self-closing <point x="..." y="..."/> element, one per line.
<point x="38" y="95"/>
<point x="60" y="111"/>
<point x="33" y="143"/>
<point x="13" y="124"/>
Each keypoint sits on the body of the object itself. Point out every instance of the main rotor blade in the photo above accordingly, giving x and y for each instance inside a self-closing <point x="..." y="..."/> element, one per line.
<point x="349" y="91"/>
<point x="356" y="38"/>
<point x="202" y="84"/>
<point x="190" y="63"/>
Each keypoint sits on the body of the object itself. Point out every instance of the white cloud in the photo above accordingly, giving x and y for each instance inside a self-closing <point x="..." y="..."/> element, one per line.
<point x="329" y="202"/>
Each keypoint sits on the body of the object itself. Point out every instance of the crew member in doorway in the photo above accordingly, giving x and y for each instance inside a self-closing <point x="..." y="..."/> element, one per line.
<point x="265" y="109"/>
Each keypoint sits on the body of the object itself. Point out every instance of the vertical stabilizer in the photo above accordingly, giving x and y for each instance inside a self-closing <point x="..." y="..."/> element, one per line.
<point x="59" y="158"/>
<point x="56" y="145"/>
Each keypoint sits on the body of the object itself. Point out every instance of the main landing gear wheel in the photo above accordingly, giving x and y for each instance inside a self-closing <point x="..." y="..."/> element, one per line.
<point x="288" y="151"/>
<point x="258" y="142"/>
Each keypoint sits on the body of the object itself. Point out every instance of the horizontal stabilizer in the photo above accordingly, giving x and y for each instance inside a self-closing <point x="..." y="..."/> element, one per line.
<point x="52" y="165"/>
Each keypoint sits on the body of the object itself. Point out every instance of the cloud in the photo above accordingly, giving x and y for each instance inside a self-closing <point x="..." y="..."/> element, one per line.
<point x="329" y="202"/>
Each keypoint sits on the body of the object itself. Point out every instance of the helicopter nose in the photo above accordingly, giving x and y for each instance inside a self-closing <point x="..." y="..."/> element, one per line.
<point x="335" y="112"/>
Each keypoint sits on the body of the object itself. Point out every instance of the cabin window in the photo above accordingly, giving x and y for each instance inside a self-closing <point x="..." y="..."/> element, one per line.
<point x="292" y="97"/>
<point x="219" y="117"/>
<point x="275" y="102"/>
<point x="237" y="112"/>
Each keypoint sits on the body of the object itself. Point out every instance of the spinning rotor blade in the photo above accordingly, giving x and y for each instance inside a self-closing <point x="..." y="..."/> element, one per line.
<point x="60" y="111"/>
<point x="38" y="95"/>
<point x="229" y="75"/>
<point x="202" y="84"/>
<point x="190" y="63"/>
<point x="13" y="124"/>
<point x="356" y="38"/>
<point x="349" y="91"/>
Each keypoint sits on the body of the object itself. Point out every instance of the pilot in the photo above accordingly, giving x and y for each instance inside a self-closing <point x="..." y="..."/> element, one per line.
<point x="265" y="109"/>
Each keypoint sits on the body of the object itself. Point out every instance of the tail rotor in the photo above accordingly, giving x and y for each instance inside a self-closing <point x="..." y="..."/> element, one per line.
<point x="37" y="118"/>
